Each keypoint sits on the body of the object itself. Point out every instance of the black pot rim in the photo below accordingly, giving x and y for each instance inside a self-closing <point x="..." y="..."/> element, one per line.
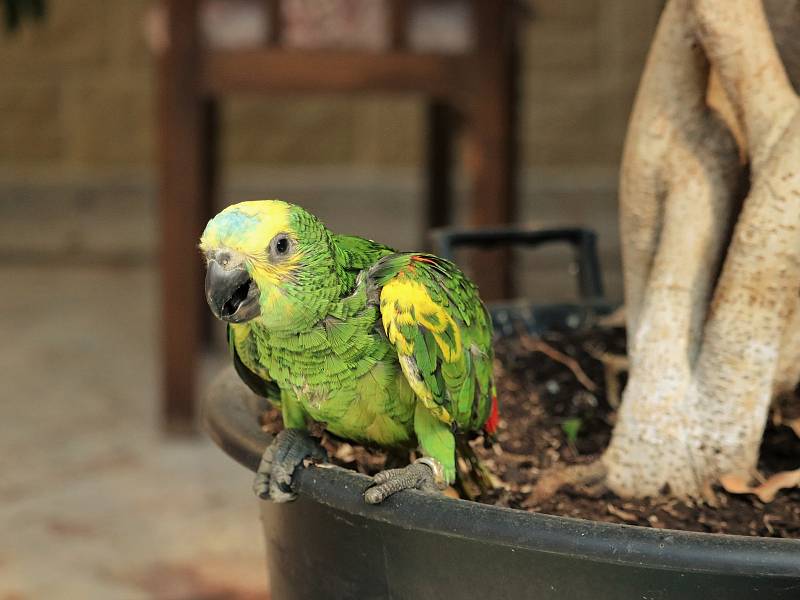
<point x="231" y="419"/>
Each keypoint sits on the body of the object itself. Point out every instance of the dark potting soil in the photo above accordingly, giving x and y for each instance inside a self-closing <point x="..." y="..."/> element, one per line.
<point x="555" y="412"/>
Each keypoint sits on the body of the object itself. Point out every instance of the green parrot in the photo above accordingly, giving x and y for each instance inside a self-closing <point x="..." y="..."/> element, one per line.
<point x="384" y="348"/>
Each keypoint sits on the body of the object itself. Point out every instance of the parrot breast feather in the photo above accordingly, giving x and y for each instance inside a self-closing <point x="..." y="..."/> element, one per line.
<point x="242" y="348"/>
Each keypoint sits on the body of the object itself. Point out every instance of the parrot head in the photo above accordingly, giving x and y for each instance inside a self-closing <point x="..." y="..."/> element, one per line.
<point x="270" y="260"/>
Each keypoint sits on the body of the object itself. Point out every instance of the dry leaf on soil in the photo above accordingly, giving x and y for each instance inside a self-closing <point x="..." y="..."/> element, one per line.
<point x="766" y="492"/>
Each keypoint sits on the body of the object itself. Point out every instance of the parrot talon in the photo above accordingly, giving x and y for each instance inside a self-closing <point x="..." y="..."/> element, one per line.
<point x="287" y="451"/>
<point x="425" y="474"/>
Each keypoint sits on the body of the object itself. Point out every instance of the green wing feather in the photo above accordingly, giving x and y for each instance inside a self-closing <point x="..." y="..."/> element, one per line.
<point x="442" y="333"/>
<point x="358" y="253"/>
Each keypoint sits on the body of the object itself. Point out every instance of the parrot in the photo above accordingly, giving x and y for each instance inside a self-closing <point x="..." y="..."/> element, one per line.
<point x="382" y="348"/>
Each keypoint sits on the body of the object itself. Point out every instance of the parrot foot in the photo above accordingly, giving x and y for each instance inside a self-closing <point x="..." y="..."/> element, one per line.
<point x="425" y="474"/>
<point x="286" y="452"/>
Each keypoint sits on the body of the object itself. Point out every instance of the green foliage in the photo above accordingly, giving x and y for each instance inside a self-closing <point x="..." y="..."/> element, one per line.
<point x="571" y="428"/>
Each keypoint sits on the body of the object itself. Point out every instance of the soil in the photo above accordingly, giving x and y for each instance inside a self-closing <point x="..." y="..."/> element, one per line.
<point x="550" y="418"/>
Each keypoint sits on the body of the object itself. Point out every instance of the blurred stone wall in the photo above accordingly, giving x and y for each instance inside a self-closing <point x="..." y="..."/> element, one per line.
<point x="77" y="93"/>
<point x="77" y="138"/>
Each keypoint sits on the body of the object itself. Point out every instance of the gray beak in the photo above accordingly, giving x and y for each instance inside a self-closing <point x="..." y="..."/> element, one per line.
<point x="231" y="293"/>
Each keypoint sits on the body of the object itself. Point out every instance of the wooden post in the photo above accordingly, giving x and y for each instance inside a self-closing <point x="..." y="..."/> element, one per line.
<point x="490" y="138"/>
<point x="185" y="158"/>
<point x="398" y="23"/>
<point x="439" y="163"/>
<point x="275" y="18"/>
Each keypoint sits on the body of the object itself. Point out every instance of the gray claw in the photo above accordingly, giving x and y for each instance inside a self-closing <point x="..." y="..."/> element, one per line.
<point x="286" y="452"/>
<point x="418" y="475"/>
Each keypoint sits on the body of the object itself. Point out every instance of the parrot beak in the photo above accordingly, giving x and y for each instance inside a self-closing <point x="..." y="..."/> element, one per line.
<point x="230" y="292"/>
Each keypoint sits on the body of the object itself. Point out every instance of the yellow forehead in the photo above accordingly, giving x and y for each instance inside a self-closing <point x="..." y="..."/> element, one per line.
<point x="247" y="227"/>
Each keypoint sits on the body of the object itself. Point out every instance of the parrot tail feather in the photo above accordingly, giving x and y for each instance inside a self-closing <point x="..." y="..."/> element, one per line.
<point x="490" y="427"/>
<point x="474" y="478"/>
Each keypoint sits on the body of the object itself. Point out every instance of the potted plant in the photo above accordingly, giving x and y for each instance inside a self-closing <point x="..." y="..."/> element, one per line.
<point x="329" y="543"/>
<point x="710" y="215"/>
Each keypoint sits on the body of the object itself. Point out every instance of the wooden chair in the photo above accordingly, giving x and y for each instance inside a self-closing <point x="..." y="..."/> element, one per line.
<point x="473" y="91"/>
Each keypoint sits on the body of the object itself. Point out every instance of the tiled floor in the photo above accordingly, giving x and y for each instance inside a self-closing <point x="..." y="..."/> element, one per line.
<point x="94" y="502"/>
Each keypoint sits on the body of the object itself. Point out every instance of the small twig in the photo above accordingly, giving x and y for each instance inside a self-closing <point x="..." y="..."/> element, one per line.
<point x="516" y="459"/>
<point x="534" y="345"/>
<point x="615" y="319"/>
<point x="767" y="524"/>
<point x="622" y="514"/>
<point x="613" y="365"/>
<point x="619" y="362"/>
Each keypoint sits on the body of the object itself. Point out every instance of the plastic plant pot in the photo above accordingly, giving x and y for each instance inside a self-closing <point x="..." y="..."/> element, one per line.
<point x="330" y="544"/>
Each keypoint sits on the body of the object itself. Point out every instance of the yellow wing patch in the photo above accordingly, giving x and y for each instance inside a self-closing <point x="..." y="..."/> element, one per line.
<point x="405" y="302"/>
<point x="409" y="368"/>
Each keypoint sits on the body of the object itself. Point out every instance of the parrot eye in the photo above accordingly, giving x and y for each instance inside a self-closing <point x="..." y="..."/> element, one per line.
<point x="280" y="245"/>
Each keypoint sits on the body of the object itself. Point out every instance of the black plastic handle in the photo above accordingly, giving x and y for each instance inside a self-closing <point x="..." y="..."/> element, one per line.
<point x="583" y="241"/>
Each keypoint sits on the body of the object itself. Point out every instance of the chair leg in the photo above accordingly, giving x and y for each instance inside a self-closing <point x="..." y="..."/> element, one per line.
<point x="492" y="204"/>
<point x="183" y="198"/>
<point x="438" y="165"/>
<point x="491" y="143"/>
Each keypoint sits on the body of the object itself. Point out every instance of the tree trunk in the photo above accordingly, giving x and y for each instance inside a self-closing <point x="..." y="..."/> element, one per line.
<point x="711" y="264"/>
